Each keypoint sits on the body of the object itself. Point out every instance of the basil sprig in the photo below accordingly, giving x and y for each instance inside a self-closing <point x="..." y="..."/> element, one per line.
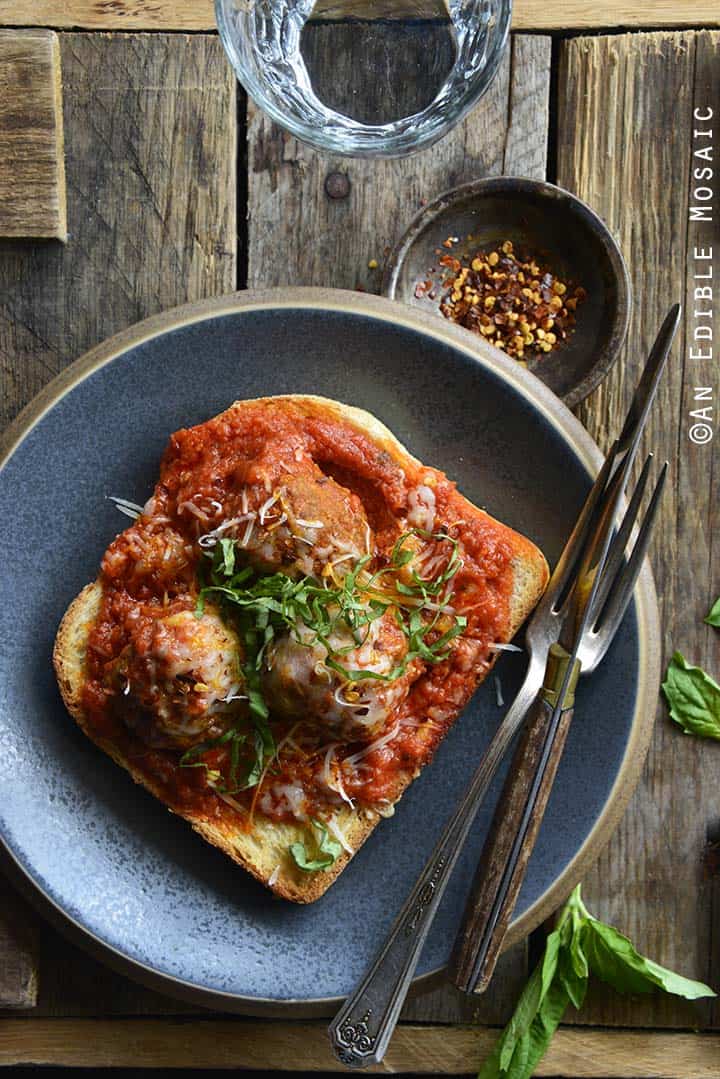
<point x="693" y="698"/>
<point x="327" y="853"/>
<point x="713" y="617"/>
<point x="580" y="947"/>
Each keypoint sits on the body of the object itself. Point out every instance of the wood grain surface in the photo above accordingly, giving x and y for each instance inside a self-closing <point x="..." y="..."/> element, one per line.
<point x="32" y="166"/>
<point x="297" y="234"/>
<point x="270" y="1046"/>
<point x="151" y="134"/>
<point x="199" y="14"/>
<point x="150" y="131"/>
<point x="625" y="142"/>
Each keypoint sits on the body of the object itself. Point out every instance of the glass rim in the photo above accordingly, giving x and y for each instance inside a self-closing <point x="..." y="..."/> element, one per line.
<point x="398" y="138"/>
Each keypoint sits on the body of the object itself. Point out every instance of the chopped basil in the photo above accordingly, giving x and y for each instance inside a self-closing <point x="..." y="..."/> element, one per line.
<point x="261" y="606"/>
<point x="227" y="554"/>
<point x="265" y="604"/>
<point x="693" y="697"/>
<point x="327" y="853"/>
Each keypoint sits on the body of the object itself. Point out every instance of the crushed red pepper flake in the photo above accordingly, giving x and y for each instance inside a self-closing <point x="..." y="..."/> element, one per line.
<point x="517" y="304"/>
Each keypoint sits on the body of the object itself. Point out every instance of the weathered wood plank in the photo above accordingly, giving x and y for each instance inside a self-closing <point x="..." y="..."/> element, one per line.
<point x="18" y="951"/>
<point x="271" y="1046"/>
<point x="698" y="469"/>
<point x="150" y="126"/>
<point x="32" y="166"/>
<point x="199" y="14"/>
<point x="625" y="143"/>
<point x="297" y="234"/>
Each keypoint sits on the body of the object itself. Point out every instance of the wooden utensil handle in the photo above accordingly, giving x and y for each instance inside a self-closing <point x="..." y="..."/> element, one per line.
<point x="506" y="853"/>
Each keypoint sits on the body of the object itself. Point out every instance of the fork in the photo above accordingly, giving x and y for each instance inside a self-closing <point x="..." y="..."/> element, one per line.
<point x="361" y="1031"/>
<point x="599" y="607"/>
<point x="580" y="612"/>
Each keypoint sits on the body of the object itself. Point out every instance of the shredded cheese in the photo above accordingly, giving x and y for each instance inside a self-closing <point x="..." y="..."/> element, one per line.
<point x="498" y="691"/>
<point x="334" y="829"/>
<point x="308" y="524"/>
<point x="130" y="509"/>
<point x="378" y="743"/>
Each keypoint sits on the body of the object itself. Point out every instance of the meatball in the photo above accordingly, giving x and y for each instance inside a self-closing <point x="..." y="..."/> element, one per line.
<point x="309" y="521"/>
<point x="176" y="677"/>
<point x="298" y="683"/>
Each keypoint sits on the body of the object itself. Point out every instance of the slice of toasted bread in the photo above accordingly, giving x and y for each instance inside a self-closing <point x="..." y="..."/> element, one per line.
<point x="264" y="851"/>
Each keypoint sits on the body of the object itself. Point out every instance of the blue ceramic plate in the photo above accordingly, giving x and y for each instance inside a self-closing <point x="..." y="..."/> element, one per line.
<point x="100" y="855"/>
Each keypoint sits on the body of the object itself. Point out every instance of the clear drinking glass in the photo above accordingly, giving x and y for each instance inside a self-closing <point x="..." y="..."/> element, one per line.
<point x="370" y="78"/>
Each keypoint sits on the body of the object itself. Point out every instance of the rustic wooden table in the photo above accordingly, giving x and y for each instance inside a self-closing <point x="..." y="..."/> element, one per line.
<point x="177" y="189"/>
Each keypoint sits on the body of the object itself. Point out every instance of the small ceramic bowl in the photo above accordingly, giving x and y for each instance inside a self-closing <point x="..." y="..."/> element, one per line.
<point x="561" y="232"/>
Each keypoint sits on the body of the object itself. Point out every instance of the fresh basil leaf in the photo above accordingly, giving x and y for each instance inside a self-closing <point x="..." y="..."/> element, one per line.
<point x="264" y="749"/>
<point x="693" y="697"/>
<point x="676" y="984"/>
<point x="571" y="921"/>
<point x="240" y="577"/>
<point x="537" y="1039"/>
<point x="530" y="999"/>
<point x="328" y="851"/>
<point x="309" y="865"/>
<point x="577" y="953"/>
<point x="579" y="945"/>
<point x="713" y="618"/>
<point x="203" y="747"/>
<point x="614" y="960"/>
<point x="403" y="557"/>
<point x="524" y="1038"/>
<point x="574" y="984"/>
<point x="253" y="774"/>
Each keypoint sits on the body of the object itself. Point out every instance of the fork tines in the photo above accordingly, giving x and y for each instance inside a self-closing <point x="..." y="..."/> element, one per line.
<point x="615" y="587"/>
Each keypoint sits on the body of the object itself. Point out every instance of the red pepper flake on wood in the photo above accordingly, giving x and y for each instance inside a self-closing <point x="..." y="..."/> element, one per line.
<point x="517" y="305"/>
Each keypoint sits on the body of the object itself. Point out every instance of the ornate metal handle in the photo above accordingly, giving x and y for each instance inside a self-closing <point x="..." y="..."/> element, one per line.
<point x="362" y="1029"/>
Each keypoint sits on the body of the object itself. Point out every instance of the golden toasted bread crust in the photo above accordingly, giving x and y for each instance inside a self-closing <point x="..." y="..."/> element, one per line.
<point x="263" y="852"/>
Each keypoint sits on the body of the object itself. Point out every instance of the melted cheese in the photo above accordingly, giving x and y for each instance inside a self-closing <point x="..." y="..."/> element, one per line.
<point x="181" y="671"/>
<point x="421" y="511"/>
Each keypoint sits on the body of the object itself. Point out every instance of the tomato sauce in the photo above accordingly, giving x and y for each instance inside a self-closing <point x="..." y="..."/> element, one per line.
<point x="209" y="475"/>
